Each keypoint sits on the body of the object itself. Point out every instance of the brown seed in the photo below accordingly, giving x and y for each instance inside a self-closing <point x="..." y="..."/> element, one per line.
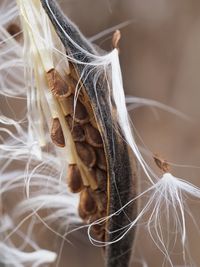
<point x="98" y="230"/>
<point x="76" y="130"/>
<point x="103" y="236"/>
<point x="74" y="179"/>
<point x="73" y="72"/>
<point x="93" y="136"/>
<point x="98" y="227"/>
<point x="100" y="235"/>
<point x="101" y="178"/>
<point x="161" y="163"/>
<point x="87" y="202"/>
<point x="101" y="159"/>
<point x="82" y="213"/>
<point x="101" y="199"/>
<point x="115" y="39"/>
<point x="57" y="85"/>
<point x="57" y="133"/>
<point x="77" y="110"/>
<point x="86" y="154"/>
<point x="100" y="194"/>
<point x="14" y="30"/>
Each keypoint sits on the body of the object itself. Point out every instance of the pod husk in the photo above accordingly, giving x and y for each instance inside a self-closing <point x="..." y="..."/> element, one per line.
<point x="121" y="167"/>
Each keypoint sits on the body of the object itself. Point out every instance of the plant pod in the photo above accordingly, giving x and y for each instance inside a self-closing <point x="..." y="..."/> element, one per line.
<point x="114" y="157"/>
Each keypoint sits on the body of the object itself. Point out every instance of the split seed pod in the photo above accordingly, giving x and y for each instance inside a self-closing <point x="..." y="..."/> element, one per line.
<point x="113" y="157"/>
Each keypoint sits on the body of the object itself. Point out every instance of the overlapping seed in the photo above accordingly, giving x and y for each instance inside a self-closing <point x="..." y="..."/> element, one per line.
<point x="57" y="134"/>
<point x="93" y="136"/>
<point x="86" y="153"/>
<point x="77" y="131"/>
<point x="88" y="144"/>
<point x="57" y="85"/>
<point x="101" y="159"/>
<point x="77" y="110"/>
<point x="87" y="203"/>
<point x="75" y="182"/>
<point x="101" y="178"/>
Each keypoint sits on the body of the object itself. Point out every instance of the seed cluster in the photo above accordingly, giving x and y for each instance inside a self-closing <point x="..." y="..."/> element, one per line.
<point x="88" y="143"/>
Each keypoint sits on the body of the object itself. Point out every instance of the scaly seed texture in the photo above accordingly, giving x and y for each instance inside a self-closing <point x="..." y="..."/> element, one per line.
<point x="88" y="144"/>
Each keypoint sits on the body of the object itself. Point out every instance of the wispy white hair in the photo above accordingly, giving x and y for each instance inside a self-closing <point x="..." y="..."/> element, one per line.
<point x="42" y="171"/>
<point x="39" y="176"/>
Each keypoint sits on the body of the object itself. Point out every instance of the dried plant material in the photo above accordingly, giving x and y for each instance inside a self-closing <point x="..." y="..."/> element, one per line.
<point x="87" y="202"/>
<point x="116" y="38"/>
<point x="74" y="179"/>
<point x="102" y="201"/>
<point x="161" y="163"/>
<point x="77" y="110"/>
<point x="98" y="229"/>
<point x="108" y="197"/>
<point x="57" y="134"/>
<point x="93" y="136"/>
<point x="91" y="100"/>
<point x="101" y="177"/>
<point x="86" y="154"/>
<point x="84" y="216"/>
<point x="77" y="130"/>
<point x="112" y="124"/>
<point x="88" y="179"/>
<point x="64" y="104"/>
<point x="57" y="85"/>
<point x="101" y="159"/>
